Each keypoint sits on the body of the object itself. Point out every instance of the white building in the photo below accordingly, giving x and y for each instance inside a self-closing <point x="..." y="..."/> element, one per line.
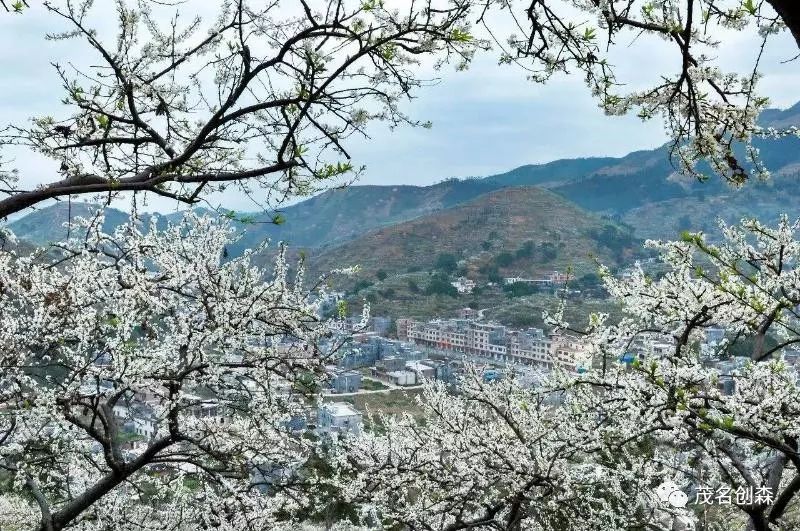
<point x="421" y="370"/>
<point x="402" y="377"/>
<point x="338" y="417"/>
<point x="497" y="342"/>
<point x="463" y="285"/>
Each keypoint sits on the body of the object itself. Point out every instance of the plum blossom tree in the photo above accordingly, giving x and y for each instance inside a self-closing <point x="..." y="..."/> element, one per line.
<point x="263" y="96"/>
<point x="149" y="383"/>
<point x="588" y="449"/>
<point x="710" y="113"/>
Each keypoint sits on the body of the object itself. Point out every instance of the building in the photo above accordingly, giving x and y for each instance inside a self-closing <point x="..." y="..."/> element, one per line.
<point x="551" y="280"/>
<point x="496" y="342"/>
<point x="390" y="363"/>
<point x="559" y="278"/>
<point x="338" y="417"/>
<point x="345" y="382"/>
<point x="541" y="282"/>
<point x="402" y="378"/>
<point x="714" y="335"/>
<point x="469" y="313"/>
<point x="402" y="329"/>
<point x="463" y="285"/>
<point x="422" y="370"/>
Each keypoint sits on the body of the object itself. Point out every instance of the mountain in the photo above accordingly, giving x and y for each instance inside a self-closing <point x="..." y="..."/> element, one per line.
<point x="641" y="189"/>
<point x="342" y="214"/>
<point x="538" y="229"/>
<point x="702" y="212"/>
<point x="48" y="224"/>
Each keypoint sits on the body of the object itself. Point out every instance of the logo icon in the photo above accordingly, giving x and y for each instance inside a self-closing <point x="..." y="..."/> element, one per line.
<point x="669" y="492"/>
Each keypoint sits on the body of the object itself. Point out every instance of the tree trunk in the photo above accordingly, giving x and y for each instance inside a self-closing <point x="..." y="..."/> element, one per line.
<point x="789" y="11"/>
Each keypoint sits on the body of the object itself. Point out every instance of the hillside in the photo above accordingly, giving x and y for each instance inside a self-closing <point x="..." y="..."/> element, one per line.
<point x="701" y="212"/>
<point x="640" y="188"/>
<point x="342" y="214"/>
<point x="48" y="224"/>
<point x="478" y="231"/>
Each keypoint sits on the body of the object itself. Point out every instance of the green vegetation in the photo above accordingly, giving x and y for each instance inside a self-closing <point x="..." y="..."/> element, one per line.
<point x="547" y="233"/>
<point x="520" y="289"/>
<point x="372" y="385"/>
<point x="439" y="284"/>
<point x="361" y="284"/>
<point x="446" y="262"/>
<point x="504" y="259"/>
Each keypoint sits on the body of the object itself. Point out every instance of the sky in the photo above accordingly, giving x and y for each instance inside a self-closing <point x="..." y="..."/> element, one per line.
<point x="486" y="120"/>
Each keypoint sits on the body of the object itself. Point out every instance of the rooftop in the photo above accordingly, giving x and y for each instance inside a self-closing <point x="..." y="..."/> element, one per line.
<point x="341" y="409"/>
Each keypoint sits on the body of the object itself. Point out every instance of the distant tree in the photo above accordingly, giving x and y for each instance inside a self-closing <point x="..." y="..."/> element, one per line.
<point x="588" y="281"/>
<point x="615" y="239"/>
<point x="439" y="284"/>
<point x="504" y="259"/>
<point x="413" y="287"/>
<point x="381" y="274"/>
<point x="494" y="276"/>
<point x="388" y="293"/>
<point x="520" y="289"/>
<point x="486" y="245"/>
<point x="261" y="96"/>
<point x="446" y="262"/>
<point x="362" y="284"/>
<point x="526" y="250"/>
<point x="547" y="252"/>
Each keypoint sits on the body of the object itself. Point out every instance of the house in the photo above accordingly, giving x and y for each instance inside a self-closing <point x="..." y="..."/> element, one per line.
<point x="463" y="285"/>
<point x="559" y="278"/>
<point x="540" y="282"/>
<point x="390" y="363"/>
<point x="338" y="417"/>
<point x="402" y="377"/>
<point x="346" y="382"/>
<point x="402" y="329"/>
<point x="421" y="370"/>
<point x="465" y="313"/>
<point x="442" y="370"/>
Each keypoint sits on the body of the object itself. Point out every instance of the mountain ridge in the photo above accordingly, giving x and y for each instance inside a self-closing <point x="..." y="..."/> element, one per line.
<point x="623" y="188"/>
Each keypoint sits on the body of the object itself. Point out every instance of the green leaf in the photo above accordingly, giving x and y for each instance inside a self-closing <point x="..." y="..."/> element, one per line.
<point x="460" y="35"/>
<point x="749" y="6"/>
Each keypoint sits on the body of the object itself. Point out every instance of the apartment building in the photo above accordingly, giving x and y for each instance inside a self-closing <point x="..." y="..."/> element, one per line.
<point x="496" y="342"/>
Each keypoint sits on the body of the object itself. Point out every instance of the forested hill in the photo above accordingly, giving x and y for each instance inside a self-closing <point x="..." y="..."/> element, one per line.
<point x="514" y="231"/>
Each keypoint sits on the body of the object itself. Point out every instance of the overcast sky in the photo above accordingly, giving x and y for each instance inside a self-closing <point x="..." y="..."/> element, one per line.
<point x="486" y="120"/>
